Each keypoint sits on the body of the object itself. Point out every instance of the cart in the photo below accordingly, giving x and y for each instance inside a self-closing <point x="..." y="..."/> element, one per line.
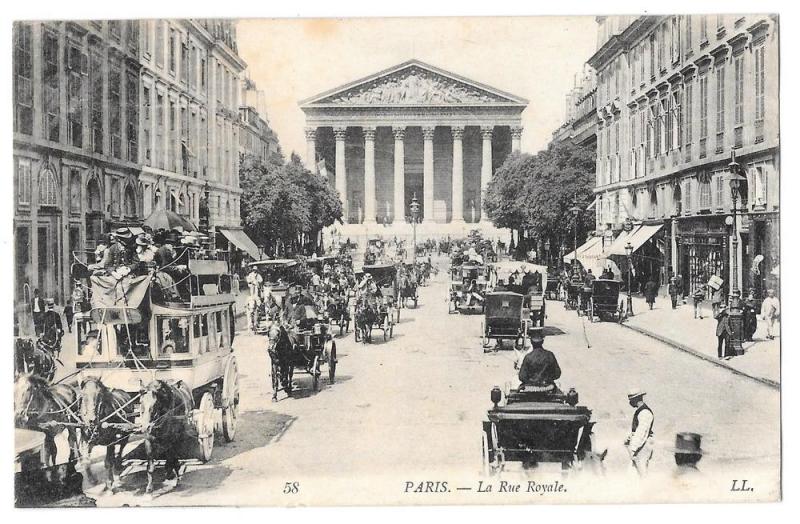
<point x="462" y="290"/>
<point x="604" y="301"/>
<point x="535" y="426"/>
<point x="504" y="319"/>
<point x="279" y="275"/>
<point x="313" y="347"/>
<point x="385" y="278"/>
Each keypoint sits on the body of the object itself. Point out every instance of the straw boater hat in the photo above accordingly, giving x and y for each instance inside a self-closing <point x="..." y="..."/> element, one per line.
<point x="123" y="233"/>
<point x="143" y="240"/>
<point x="636" y="393"/>
<point x="688" y="443"/>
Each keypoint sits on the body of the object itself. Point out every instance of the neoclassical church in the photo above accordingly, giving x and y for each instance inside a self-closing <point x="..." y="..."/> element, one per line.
<point x="412" y="130"/>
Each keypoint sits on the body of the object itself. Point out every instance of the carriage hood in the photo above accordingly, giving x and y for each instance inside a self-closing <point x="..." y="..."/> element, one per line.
<point x="119" y="301"/>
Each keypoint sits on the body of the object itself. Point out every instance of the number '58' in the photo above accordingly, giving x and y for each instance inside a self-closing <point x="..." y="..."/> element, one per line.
<point x="290" y="488"/>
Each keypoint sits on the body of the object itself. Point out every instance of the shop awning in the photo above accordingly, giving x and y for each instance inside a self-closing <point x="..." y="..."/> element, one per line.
<point x="617" y="247"/>
<point x="643" y="234"/>
<point x="594" y="244"/>
<point x="240" y="239"/>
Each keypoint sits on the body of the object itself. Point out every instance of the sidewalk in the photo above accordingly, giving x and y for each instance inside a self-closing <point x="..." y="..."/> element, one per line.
<point x="678" y="328"/>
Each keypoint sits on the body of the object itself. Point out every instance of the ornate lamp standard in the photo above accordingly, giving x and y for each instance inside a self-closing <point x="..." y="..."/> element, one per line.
<point x="629" y="254"/>
<point x="576" y="210"/>
<point x="414" y="219"/>
<point x="735" y="180"/>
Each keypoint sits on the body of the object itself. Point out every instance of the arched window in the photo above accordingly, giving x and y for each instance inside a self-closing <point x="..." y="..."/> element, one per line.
<point x="48" y="188"/>
<point x="95" y="196"/>
<point x="129" y="203"/>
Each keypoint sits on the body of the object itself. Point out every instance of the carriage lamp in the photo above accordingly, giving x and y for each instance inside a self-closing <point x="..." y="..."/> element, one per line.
<point x="572" y="397"/>
<point x="629" y="254"/>
<point x="496" y="395"/>
<point x="735" y="179"/>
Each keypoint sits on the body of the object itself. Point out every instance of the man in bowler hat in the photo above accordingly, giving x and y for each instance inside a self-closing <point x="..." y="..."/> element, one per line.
<point x="687" y="452"/>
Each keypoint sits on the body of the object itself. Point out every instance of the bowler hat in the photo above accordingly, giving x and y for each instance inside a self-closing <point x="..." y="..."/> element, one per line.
<point x="49" y="302"/>
<point x="688" y="443"/>
<point x="636" y="393"/>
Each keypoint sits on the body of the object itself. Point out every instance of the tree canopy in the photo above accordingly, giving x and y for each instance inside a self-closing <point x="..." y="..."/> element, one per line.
<point x="284" y="205"/>
<point x="533" y="194"/>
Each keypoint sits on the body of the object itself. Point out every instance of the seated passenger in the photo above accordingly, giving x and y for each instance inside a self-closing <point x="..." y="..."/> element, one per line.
<point x="539" y="367"/>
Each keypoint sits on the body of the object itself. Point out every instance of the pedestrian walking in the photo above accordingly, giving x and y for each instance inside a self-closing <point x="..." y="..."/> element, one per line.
<point x="698" y="297"/>
<point x="770" y="312"/>
<point x="650" y="292"/>
<point x="38" y="313"/>
<point x="52" y="327"/>
<point x="723" y="332"/>
<point x="680" y="285"/>
<point x="717" y="298"/>
<point x="672" y="289"/>
<point x="639" y="439"/>
<point x="69" y="315"/>
<point x="687" y="452"/>
<point x="749" y="316"/>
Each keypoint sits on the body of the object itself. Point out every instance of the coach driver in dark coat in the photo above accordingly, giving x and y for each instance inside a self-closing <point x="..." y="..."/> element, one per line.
<point x="539" y="367"/>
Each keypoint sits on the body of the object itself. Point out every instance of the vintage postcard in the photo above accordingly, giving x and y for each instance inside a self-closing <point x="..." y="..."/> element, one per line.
<point x="397" y="261"/>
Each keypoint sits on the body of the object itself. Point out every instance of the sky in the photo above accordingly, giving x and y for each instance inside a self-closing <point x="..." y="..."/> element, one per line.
<point x="536" y="58"/>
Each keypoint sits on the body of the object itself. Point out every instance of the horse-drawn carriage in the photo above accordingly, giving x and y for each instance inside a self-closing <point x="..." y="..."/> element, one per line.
<point x="469" y="284"/>
<point x="408" y="284"/>
<point x="604" y="302"/>
<point x="536" y="425"/>
<point x="505" y="318"/>
<point x="574" y="288"/>
<point x="531" y="280"/>
<point x="160" y="365"/>
<point x="378" y="309"/>
<point x="278" y="275"/>
<point x="304" y="343"/>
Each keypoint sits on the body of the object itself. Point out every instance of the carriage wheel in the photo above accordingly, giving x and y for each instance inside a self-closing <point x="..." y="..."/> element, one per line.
<point x="230" y="400"/>
<point x="332" y="364"/>
<point x="316" y="372"/>
<point x="398" y="315"/>
<point x="386" y="327"/>
<point x="356" y="332"/>
<point x="391" y="330"/>
<point x="204" y="424"/>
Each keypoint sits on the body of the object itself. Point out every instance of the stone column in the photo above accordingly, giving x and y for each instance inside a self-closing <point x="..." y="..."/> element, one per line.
<point x="427" y="172"/>
<point x="516" y="138"/>
<point x="399" y="175"/>
<point x="369" y="175"/>
<point x="311" y="149"/>
<point x="486" y="159"/>
<point x="458" y="174"/>
<point x="340" y="133"/>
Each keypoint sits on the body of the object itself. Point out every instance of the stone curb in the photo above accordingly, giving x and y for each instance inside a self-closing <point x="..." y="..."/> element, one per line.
<point x="703" y="356"/>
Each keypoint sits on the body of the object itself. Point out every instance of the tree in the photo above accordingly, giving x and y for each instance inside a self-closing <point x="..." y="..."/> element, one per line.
<point x="284" y="204"/>
<point x="533" y="194"/>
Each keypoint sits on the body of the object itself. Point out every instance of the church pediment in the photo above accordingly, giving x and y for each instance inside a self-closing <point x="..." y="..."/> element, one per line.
<point x="413" y="84"/>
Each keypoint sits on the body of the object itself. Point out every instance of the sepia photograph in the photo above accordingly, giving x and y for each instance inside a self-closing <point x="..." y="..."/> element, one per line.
<point x="454" y="260"/>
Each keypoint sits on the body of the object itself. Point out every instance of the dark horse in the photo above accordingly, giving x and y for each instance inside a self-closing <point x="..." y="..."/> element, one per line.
<point x="166" y="411"/>
<point x="107" y="414"/>
<point x="365" y="316"/>
<point x="49" y="409"/>
<point x="35" y="359"/>
<point x="280" y="349"/>
<point x="407" y="282"/>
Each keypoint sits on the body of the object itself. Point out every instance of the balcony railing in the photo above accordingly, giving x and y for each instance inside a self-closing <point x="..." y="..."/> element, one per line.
<point x="703" y="151"/>
<point x="759" y="134"/>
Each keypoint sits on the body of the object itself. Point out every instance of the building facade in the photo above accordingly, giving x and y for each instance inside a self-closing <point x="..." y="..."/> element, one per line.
<point x="580" y="112"/>
<point x="676" y="95"/>
<point x="256" y="138"/>
<point x="76" y="144"/>
<point x="112" y="120"/>
<point x="190" y="119"/>
<point x="413" y="130"/>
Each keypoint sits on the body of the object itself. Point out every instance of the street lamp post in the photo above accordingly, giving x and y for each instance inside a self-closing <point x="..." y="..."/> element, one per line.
<point x="735" y="180"/>
<point x="576" y="210"/>
<point x="414" y="219"/>
<point x="629" y="254"/>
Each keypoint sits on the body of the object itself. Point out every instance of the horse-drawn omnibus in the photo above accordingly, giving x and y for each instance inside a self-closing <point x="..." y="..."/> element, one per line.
<point x="150" y="338"/>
